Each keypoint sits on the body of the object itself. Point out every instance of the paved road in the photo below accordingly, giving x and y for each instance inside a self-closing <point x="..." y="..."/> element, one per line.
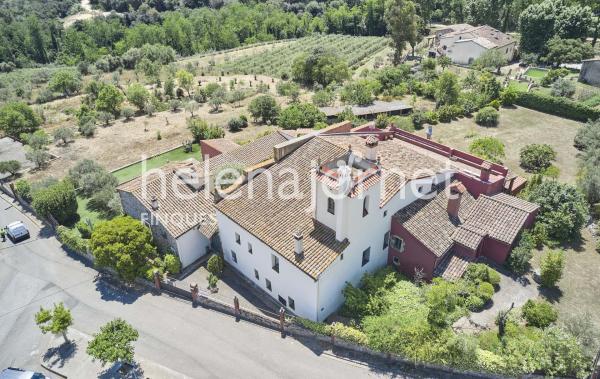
<point x="195" y="342"/>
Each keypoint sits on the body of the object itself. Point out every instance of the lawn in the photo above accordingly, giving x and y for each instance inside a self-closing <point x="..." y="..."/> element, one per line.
<point x="518" y="127"/>
<point x="536" y="73"/>
<point x="135" y="170"/>
<point x="85" y="213"/>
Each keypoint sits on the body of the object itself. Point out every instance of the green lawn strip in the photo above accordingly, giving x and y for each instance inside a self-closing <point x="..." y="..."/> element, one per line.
<point x="535" y="73"/>
<point x="135" y="170"/>
<point x="85" y="213"/>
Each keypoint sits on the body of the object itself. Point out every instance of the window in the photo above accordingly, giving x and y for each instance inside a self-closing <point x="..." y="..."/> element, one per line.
<point x="396" y="261"/>
<point x="249" y="247"/>
<point x="330" y="205"/>
<point x="420" y="189"/>
<point x="398" y="243"/>
<point x="291" y="303"/>
<point x="385" y="213"/>
<point x="282" y="300"/>
<point x="386" y="238"/>
<point x="238" y="239"/>
<point x="268" y="284"/>
<point x="342" y="257"/>
<point x="366" y="256"/>
<point x="256" y="275"/>
<point x="233" y="256"/>
<point x="274" y="263"/>
<point x="366" y="206"/>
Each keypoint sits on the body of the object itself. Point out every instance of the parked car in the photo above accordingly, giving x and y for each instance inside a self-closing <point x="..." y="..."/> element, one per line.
<point x="17" y="373"/>
<point x="17" y="231"/>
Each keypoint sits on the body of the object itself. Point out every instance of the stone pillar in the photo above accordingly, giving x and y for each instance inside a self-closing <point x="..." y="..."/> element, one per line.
<point x="194" y="291"/>
<point x="236" y="305"/>
<point x="156" y="280"/>
<point x="282" y="321"/>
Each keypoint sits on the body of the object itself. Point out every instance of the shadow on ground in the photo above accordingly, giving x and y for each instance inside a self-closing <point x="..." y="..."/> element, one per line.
<point x="59" y="355"/>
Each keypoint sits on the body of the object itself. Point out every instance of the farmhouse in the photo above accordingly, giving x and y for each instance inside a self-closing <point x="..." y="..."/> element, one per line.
<point x="176" y="201"/>
<point x="590" y="72"/>
<point x="390" y="108"/>
<point x="463" y="45"/>
<point x="357" y="193"/>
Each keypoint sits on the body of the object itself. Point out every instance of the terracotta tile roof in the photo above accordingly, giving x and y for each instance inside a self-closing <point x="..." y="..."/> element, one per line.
<point x="274" y="221"/>
<point x="484" y="34"/>
<point x="222" y="144"/>
<point x="428" y="220"/>
<point x="452" y="267"/>
<point x="469" y="236"/>
<point x="176" y="214"/>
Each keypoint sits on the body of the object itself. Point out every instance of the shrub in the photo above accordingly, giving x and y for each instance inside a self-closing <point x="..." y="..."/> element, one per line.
<point x="474" y="303"/>
<point x="551" y="267"/>
<point x="87" y="128"/>
<point x="12" y="167"/>
<point x="485" y="291"/>
<point x="489" y="148"/>
<point x="317" y="327"/>
<point x="17" y="118"/>
<point x="58" y="200"/>
<point x="71" y="240"/>
<point x="84" y="229"/>
<point x="518" y="260"/>
<point x="128" y="113"/>
<point x="508" y="95"/>
<point x="303" y="115"/>
<point x="215" y="265"/>
<point x="537" y="157"/>
<point x="539" y="313"/>
<point x="489" y="361"/>
<point x="264" y="108"/>
<point x="558" y="106"/>
<point x="235" y="124"/>
<point x="418" y="118"/>
<point x="212" y="280"/>
<point x="23" y="189"/>
<point x="172" y="264"/>
<point x="479" y="272"/>
<point x="347" y="333"/>
<point x="562" y="88"/>
<point x="487" y="116"/>
<point x="553" y="75"/>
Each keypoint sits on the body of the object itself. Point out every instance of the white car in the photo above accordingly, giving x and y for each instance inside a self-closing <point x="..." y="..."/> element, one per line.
<point x="17" y="231"/>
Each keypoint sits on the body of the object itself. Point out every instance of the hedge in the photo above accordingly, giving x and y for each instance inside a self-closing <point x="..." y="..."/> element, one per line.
<point x="558" y="106"/>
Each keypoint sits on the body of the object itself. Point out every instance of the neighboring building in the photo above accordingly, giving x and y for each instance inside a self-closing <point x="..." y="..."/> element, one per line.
<point x="177" y="203"/>
<point x="464" y="45"/>
<point x="302" y="250"/>
<point x="214" y="147"/>
<point x="369" y="112"/>
<point x="590" y="72"/>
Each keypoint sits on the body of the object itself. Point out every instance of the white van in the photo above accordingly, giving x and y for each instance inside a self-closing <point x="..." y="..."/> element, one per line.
<point x="17" y="231"/>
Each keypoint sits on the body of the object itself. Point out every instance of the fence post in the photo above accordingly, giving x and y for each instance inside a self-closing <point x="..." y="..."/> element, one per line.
<point x="156" y="280"/>
<point x="282" y="321"/>
<point x="236" y="305"/>
<point x="194" y="291"/>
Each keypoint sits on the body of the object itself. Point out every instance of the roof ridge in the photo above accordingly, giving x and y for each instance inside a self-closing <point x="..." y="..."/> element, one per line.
<point x="497" y="200"/>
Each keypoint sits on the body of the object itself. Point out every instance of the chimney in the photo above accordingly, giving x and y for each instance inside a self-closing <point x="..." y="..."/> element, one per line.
<point x="371" y="143"/>
<point x="298" y="245"/>
<point x="486" y="167"/>
<point x="456" y="191"/>
<point x="154" y="203"/>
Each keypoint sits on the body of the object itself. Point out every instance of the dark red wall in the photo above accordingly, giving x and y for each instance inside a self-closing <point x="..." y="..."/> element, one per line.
<point x="415" y="254"/>
<point x="476" y="187"/>
<point x="209" y="150"/>
<point x="495" y="250"/>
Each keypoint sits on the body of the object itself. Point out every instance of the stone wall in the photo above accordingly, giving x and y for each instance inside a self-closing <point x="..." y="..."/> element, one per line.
<point x="590" y="72"/>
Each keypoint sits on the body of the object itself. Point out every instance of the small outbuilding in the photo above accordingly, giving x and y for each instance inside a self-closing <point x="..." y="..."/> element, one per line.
<point x="369" y="112"/>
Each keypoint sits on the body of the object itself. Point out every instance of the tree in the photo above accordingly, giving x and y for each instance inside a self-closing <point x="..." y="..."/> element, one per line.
<point x="302" y="115"/>
<point x="321" y="66"/>
<point x="58" y="200"/>
<point x="359" y="92"/>
<point x="264" y="107"/>
<point x="215" y="265"/>
<point x="487" y="116"/>
<point x="17" y="118"/>
<point x="567" y="51"/>
<point x="66" y="82"/>
<point x="64" y="134"/>
<point x="123" y="244"/>
<point x="444" y="61"/>
<point x="185" y="79"/>
<point x="174" y="104"/>
<point x="552" y="267"/>
<point x="323" y="98"/>
<point x="109" y="100"/>
<point x="191" y="106"/>
<point x="114" y="342"/>
<point x="55" y="321"/>
<point x="489" y="148"/>
<point x="235" y="124"/>
<point x="518" y="260"/>
<point x="447" y="89"/>
<point x="537" y="157"/>
<point x="563" y="209"/>
<point x="289" y="89"/>
<point x="217" y="98"/>
<point x="128" y="113"/>
<point x="105" y="118"/>
<point x="138" y="95"/>
<point x="37" y="140"/>
<point x="539" y="313"/>
<point x="12" y="167"/>
<point x="39" y="157"/>
<point x="401" y="19"/>
<point x="491" y="59"/>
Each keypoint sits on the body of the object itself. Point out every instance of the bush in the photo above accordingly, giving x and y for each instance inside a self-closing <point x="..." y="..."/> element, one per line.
<point x="172" y="264"/>
<point x="12" y="167"/>
<point x="58" y="200"/>
<point x="212" y="280"/>
<point x="508" y="95"/>
<point x="539" y="313"/>
<point x="317" y="327"/>
<point x="552" y="267"/>
<point x="87" y="128"/>
<point x="264" y="108"/>
<point x="347" y="333"/>
<point x="215" y="265"/>
<point x="23" y="189"/>
<point x="553" y="75"/>
<point x="558" y="106"/>
<point x="235" y="124"/>
<point x="489" y="148"/>
<point x="17" y="118"/>
<point x="71" y="240"/>
<point x="128" y="113"/>
<point x="487" y="116"/>
<point x="474" y="303"/>
<point x="418" y="118"/>
<point x="84" y="229"/>
<point x="518" y="260"/>
<point x="485" y="291"/>
<point x="479" y="272"/>
<point x="537" y="157"/>
<point x="562" y="88"/>
<point x="303" y="115"/>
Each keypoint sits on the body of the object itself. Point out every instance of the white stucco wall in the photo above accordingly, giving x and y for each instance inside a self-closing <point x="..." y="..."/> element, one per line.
<point x="290" y="281"/>
<point x="466" y="51"/>
<point x="191" y="246"/>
